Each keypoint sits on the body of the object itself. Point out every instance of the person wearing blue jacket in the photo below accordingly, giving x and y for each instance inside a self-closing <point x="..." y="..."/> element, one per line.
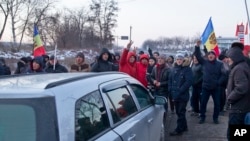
<point x="180" y="80"/>
<point x="213" y="78"/>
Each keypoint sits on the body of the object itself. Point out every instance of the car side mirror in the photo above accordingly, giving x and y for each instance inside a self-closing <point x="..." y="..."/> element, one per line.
<point x="160" y="100"/>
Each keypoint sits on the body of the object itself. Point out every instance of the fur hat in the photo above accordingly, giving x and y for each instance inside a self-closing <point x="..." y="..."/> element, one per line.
<point x="237" y="44"/>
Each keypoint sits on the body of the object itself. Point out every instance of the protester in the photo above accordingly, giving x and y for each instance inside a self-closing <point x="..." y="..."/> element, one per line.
<point x="225" y="71"/>
<point x="196" y="86"/>
<point x="180" y="80"/>
<point x="170" y="61"/>
<point x="160" y="76"/>
<point x="128" y="61"/>
<point x="80" y="65"/>
<point x="37" y="65"/>
<point x="213" y="77"/>
<point x="54" y="66"/>
<point x="23" y="65"/>
<point x="6" y="68"/>
<point x="141" y="69"/>
<point x="151" y="65"/>
<point x="238" y="87"/>
<point x="104" y="62"/>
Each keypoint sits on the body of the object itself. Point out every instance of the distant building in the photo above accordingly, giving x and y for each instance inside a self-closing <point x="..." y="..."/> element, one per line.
<point x="225" y="42"/>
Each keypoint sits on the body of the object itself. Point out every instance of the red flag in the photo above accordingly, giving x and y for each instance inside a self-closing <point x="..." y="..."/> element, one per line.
<point x="39" y="49"/>
<point x="246" y="32"/>
<point x="237" y="30"/>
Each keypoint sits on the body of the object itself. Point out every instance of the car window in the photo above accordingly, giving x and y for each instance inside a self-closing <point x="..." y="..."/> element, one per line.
<point x="142" y="95"/>
<point x="91" y="116"/>
<point x="28" y="119"/>
<point x="121" y="103"/>
<point x="13" y="128"/>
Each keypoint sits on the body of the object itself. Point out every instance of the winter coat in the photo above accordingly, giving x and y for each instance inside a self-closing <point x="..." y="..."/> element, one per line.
<point x="22" y="67"/>
<point x="238" y="88"/>
<point x="141" y="70"/>
<point x="1" y="70"/>
<point x="212" y="71"/>
<point x="80" y="68"/>
<point x="38" y="60"/>
<point x="197" y="75"/>
<point x="162" y="76"/>
<point x="125" y="66"/>
<point x="58" y="68"/>
<point x="102" y="65"/>
<point x="180" y="80"/>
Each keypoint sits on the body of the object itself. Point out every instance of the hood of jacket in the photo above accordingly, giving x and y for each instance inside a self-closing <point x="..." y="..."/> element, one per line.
<point x="105" y="50"/>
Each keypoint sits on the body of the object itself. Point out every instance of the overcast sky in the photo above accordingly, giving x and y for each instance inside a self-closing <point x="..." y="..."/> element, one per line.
<point x="151" y="19"/>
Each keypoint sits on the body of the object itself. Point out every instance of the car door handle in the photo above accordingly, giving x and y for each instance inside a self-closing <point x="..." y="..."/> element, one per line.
<point x="150" y="120"/>
<point x="132" y="137"/>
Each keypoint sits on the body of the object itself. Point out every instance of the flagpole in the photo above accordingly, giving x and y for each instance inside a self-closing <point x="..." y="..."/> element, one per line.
<point x="247" y="19"/>
<point x="55" y="58"/>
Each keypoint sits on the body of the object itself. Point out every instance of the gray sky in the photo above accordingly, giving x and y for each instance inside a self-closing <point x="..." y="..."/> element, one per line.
<point x="151" y="19"/>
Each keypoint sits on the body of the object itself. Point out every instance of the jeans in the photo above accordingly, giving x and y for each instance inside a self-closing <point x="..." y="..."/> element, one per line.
<point x="196" y="98"/>
<point x="204" y="99"/>
<point x="180" y="108"/>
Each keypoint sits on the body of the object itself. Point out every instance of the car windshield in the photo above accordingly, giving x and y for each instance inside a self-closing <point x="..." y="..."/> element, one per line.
<point x="28" y="119"/>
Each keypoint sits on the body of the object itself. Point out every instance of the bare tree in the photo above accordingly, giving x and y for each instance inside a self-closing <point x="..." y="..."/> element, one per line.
<point x="15" y="9"/>
<point x="35" y="12"/>
<point x="104" y="13"/>
<point x="79" y="18"/>
<point x="5" y="10"/>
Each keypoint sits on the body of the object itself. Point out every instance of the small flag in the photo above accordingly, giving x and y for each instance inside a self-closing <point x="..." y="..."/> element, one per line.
<point x="39" y="49"/>
<point x="208" y="38"/>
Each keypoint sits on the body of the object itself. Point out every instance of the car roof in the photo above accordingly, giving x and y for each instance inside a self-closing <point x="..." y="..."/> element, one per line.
<point x="50" y="80"/>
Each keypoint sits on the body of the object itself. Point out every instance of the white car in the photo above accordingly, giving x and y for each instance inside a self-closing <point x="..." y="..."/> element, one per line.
<point x="109" y="106"/>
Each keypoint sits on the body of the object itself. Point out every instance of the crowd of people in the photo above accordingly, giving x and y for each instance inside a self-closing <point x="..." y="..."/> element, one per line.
<point x="225" y="77"/>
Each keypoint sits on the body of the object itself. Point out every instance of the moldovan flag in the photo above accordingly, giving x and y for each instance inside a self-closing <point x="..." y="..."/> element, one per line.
<point x="39" y="49"/>
<point x="208" y="38"/>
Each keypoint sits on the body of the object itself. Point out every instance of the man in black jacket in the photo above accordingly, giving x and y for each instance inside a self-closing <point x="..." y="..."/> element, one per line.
<point x="212" y="79"/>
<point x="238" y="87"/>
<point x="54" y="66"/>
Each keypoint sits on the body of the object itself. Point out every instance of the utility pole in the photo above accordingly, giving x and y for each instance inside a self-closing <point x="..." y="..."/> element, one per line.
<point x="130" y="34"/>
<point x="247" y="19"/>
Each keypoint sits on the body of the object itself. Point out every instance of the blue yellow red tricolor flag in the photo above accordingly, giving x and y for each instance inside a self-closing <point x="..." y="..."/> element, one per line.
<point x="39" y="49"/>
<point x="208" y="38"/>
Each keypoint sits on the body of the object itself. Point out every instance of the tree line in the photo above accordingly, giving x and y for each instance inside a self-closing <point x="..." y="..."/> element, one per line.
<point x="85" y="27"/>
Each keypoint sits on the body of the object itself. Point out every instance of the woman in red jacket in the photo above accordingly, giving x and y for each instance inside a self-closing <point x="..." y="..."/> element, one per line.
<point x="141" y="70"/>
<point x="128" y="61"/>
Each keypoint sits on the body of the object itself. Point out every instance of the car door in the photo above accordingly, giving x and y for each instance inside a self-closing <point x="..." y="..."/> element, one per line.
<point x="91" y="119"/>
<point x="125" y="118"/>
<point x="153" y="113"/>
